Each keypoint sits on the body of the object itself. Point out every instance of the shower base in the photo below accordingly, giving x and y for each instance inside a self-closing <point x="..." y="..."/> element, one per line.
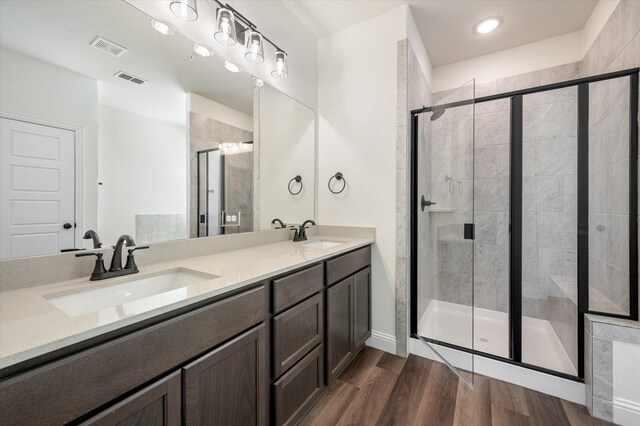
<point x="451" y="323"/>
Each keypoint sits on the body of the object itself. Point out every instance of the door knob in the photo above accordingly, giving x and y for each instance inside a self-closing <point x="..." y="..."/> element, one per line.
<point x="426" y="203"/>
<point x="67" y="226"/>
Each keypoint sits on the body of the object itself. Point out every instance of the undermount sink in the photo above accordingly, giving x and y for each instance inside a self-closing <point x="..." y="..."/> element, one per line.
<point x="320" y="244"/>
<point x="131" y="295"/>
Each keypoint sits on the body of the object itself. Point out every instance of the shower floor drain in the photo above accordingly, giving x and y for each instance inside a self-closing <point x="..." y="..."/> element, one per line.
<point x="483" y="340"/>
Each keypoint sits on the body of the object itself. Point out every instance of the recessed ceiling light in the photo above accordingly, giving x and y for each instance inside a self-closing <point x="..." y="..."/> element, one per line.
<point x="487" y="25"/>
<point x="231" y="66"/>
<point x="201" y="50"/>
<point x="161" y="27"/>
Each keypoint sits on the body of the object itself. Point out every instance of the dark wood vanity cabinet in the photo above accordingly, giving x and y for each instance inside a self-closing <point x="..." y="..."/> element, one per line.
<point x="259" y="356"/>
<point x="361" y="307"/>
<point x="227" y="386"/>
<point x="96" y="379"/>
<point x="297" y="352"/>
<point x="348" y="309"/>
<point x="339" y="327"/>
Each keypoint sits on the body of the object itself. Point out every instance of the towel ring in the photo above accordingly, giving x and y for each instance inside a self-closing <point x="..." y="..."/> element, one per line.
<point x="298" y="179"/>
<point x="337" y="176"/>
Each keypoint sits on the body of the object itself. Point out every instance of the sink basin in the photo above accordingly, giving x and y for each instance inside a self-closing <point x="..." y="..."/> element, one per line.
<point x="319" y="244"/>
<point x="130" y="295"/>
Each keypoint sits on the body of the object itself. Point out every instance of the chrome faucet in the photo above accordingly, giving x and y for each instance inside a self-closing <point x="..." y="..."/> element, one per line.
<point x="116" y="269"/>
<point x="301" y="233"/>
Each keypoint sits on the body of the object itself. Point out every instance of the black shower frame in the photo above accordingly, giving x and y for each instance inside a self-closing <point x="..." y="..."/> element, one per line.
<point x="222" y="199"/>
<point x="515" y="225"/>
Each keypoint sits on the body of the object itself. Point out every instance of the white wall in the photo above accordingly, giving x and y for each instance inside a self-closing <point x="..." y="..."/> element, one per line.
<point x="275" y="21"/>
<point x="357" y="122"/>
<point x="560" y="50"/>
<point x="142" y="167"/>
<point x="36" y="89"/>
<point x="208" y="108"/>
<point x="626" y="394"/>
<point x="287" y="149"/>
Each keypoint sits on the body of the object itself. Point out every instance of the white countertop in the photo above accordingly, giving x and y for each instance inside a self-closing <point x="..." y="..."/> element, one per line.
<point x="31" y="326"/>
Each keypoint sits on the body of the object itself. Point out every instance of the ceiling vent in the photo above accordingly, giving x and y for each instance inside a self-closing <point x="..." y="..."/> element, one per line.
<point x="108" y="46"/>
<point x="126" y="76"/>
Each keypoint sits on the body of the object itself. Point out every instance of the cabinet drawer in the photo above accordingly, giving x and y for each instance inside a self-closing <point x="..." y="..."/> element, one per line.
<point x="109" y="370"/>
<point x="348" y="264"/>
<point x="299" y="388"/>
<point x="296" y="331"/>
<point x="289" y="290"/>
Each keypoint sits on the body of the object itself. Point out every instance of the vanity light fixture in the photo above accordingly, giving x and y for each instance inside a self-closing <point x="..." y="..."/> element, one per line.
<point x="225" y="27"/>
<point x="230" y="148"/>
<point x="255" y="47"/>
<point x="488" y="25"/>
<point x="258" y="82"/>
<point x="201" y="50"/>
<point x="231" y="66"/>
<point x="281" y="70"/>
<point x="161" y="27"/>
<point x="187" y="10"/>
<point x="230" y="22"/>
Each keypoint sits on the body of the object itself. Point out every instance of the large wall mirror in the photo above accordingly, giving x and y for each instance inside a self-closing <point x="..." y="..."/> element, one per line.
<point x="111" y="126"/>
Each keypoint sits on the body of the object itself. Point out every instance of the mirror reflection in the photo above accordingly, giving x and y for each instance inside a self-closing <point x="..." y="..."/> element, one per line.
<point x="109" y="126"/>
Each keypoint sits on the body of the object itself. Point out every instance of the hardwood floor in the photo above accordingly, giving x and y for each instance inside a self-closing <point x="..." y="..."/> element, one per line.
<point x="382" y="389"/>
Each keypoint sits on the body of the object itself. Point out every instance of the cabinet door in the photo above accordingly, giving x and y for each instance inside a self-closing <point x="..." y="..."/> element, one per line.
<point x="362" y="307"/>
<point x="339" y="327"/>
<point x="227" y="386"/>
<point x="158" y="405"/>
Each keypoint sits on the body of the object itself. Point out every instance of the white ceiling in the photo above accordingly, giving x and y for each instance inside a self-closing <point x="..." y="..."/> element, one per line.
<point x="446" y="26"/>
<point x="60" y="33"/>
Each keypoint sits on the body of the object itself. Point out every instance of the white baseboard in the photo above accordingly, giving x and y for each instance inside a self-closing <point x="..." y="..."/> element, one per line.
<point x="546" y="383"/>
<point x="625" y="412"/>
<point x="382" y="341"/>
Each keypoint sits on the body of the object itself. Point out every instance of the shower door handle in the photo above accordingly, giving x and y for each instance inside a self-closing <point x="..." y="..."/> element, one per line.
<point x="426" y="203"/>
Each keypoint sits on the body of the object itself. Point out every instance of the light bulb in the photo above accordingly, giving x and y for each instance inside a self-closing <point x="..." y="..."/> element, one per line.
<point x="161" y="27"/>
<point x="201" y="50"/>
<point x="231" y="66"/>
<point x="487" y="25"/>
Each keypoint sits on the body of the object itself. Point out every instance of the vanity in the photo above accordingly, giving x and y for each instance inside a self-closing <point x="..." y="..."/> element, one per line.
<point x="259" y="351"/>
<point x="133" y="132"/>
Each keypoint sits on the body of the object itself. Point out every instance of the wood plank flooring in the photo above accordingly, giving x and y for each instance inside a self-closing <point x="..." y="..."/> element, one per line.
<point x="383" y="389"/>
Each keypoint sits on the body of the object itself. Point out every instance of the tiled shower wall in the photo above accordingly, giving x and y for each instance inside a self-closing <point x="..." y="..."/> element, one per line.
<point x="616" y="48"/>
<point x="207" y="133"/>
<point x="549" y="214"/>
<point x="549" y="204"/>
<point x="238" y="194"/>
<point x="413" y="92"/>
<point x="155" y="228"/>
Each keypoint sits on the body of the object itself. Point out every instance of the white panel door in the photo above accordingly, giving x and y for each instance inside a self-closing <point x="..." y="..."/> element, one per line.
<point x="37" y="189"/>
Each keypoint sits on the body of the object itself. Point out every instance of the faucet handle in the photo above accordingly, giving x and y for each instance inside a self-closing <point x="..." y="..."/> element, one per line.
<point x="137" y="248"/>
<point x="98" y="270"/>
<point x="131" y="262"/>
<point x="98" y="255"/>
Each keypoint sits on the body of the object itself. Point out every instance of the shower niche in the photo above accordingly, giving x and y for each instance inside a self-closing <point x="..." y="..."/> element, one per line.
<point x="524" y="218"/>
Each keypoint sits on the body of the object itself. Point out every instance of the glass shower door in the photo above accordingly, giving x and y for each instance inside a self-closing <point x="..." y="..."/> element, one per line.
<point x="445" y="246"/>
